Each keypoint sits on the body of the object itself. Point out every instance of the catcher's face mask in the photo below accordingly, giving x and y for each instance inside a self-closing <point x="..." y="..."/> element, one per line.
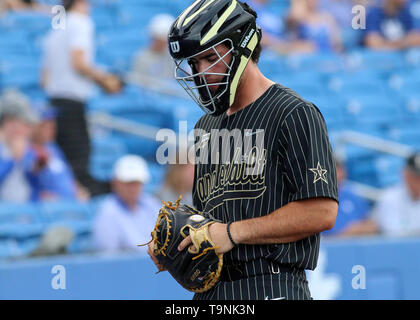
<point x="205" y="75"/>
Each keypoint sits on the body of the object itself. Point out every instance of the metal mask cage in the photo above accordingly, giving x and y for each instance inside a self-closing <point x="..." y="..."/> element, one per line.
<point x="195" y="84"/>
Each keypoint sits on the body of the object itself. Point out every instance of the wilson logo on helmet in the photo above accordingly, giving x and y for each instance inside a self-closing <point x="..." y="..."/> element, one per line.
<point x="175" y="46"/>
<point x="247" y="38"/>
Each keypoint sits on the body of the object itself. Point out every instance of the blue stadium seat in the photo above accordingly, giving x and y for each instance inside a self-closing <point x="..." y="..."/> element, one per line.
<point x="405" y="82"/>
<point x="21" y="78"/>
<point x="65" y="211"/>
<point x="183" y="109"/>
<point x="136" y="16"/>
<point x="103" y="18"/>
<point x="153" y="6"/>
<point x="20" y="220"/>
<point x="364" y="82"/>
<point x="119" y="59"/>
<point x="78" y="217"/>
<point x="14" y="42"/>
<point x="330" y="109"/>
<point x="319" y="62"/>
<point x="35" y="94"/>
<point x="366" y="59"/>
<point x="373" y="168"/>
<point x="411" y="106"/>
<point x="303" y="82"/>
<point x="407" y="133"/>
<point x="9" y="248"/>
<point x="20" y="71"/>
<point x="147" y="116"/>
<point x="104" y="157"/>
<point x="129" y="39"/>
<point x="370" y="108"/>
<point x="82" y="243"/>
<point x="412" y="58"/>
<point x="130" y="98"/>
<point x="388" y="170"/>
<point x="31" y="21"/>
<point x="361" y="171"/>
<point x="272" y="64"/>
<point x="23" y="214"/>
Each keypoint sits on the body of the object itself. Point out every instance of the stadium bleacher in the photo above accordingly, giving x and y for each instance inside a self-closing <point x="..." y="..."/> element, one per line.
<point x="367" y="91"/>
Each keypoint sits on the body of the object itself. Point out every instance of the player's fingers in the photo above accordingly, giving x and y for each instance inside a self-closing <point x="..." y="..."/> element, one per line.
<point x="184" y="243"/>
<point x="155" y="260"/>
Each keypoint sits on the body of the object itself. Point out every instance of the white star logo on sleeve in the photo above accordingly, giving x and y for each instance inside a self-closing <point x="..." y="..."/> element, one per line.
<point x="319" y="173"/>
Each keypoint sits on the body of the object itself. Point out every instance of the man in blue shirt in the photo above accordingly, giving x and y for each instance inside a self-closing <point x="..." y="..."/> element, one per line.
<point x="391" y="27"/>
<point x="126" y="217"/>
<point x="55" y="179"/>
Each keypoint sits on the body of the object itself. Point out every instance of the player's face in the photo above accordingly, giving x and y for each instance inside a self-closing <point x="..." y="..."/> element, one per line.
<point x="212" y="65"/>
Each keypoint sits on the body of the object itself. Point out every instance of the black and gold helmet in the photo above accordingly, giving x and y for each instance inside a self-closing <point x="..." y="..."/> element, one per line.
<point x="202" y="26"/>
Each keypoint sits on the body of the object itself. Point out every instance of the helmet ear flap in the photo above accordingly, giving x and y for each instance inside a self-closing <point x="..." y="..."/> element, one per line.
<point x="259" y="33"/>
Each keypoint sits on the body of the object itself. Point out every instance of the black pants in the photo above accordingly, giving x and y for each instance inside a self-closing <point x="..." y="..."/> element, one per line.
<point x="73" y="139"/>
<point x="259" y="280"/>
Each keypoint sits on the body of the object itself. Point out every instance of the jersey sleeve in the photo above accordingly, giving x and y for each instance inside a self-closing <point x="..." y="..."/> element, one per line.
<point x="306" y="155"/>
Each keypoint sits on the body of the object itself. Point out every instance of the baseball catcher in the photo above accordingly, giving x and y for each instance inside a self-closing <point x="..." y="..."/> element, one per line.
<point x="198" y="267"/>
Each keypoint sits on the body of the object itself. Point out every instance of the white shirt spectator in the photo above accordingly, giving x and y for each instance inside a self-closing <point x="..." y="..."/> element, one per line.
<point x="152" y="66"/>
<point x="63" y="81"/>
<point x="117" y="228"/>
<point x="396" y="213"/>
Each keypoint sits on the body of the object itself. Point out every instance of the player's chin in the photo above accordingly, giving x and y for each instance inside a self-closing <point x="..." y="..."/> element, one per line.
<point x="213" y="89"/>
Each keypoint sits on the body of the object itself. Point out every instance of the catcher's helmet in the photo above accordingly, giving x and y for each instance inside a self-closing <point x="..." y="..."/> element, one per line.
<point x="202" y="26"/>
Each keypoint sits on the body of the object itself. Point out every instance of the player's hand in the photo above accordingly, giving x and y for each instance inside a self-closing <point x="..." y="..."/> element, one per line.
<point x="152" y="256"/>
<point x="219" y="236"/>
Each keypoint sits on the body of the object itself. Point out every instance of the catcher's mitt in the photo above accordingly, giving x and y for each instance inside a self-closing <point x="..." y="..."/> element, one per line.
<point x="197" y="269"/>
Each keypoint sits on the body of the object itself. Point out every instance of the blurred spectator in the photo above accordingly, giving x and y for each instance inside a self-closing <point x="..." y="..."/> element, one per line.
<point x="55" y="179"/>
<point x="352" y="210"/>
<point x="271" y="24"/>
<point x="391" y="27"/>
<point x="308" y="23"/>
<point x="16" y="5"/>
<point x="178" y="181"/>
<point x="274" y="35"/>
<point x="127" y="217"/>
<point x="68" y="77"/>
<point x="17" y="159"/>
<point x="341" y="10"/>
<point x="153" y="65"/>
<point x="397" y="212"/>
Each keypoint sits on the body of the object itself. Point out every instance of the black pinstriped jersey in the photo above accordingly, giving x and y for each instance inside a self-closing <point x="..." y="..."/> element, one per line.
<point x="253" y="162"/>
